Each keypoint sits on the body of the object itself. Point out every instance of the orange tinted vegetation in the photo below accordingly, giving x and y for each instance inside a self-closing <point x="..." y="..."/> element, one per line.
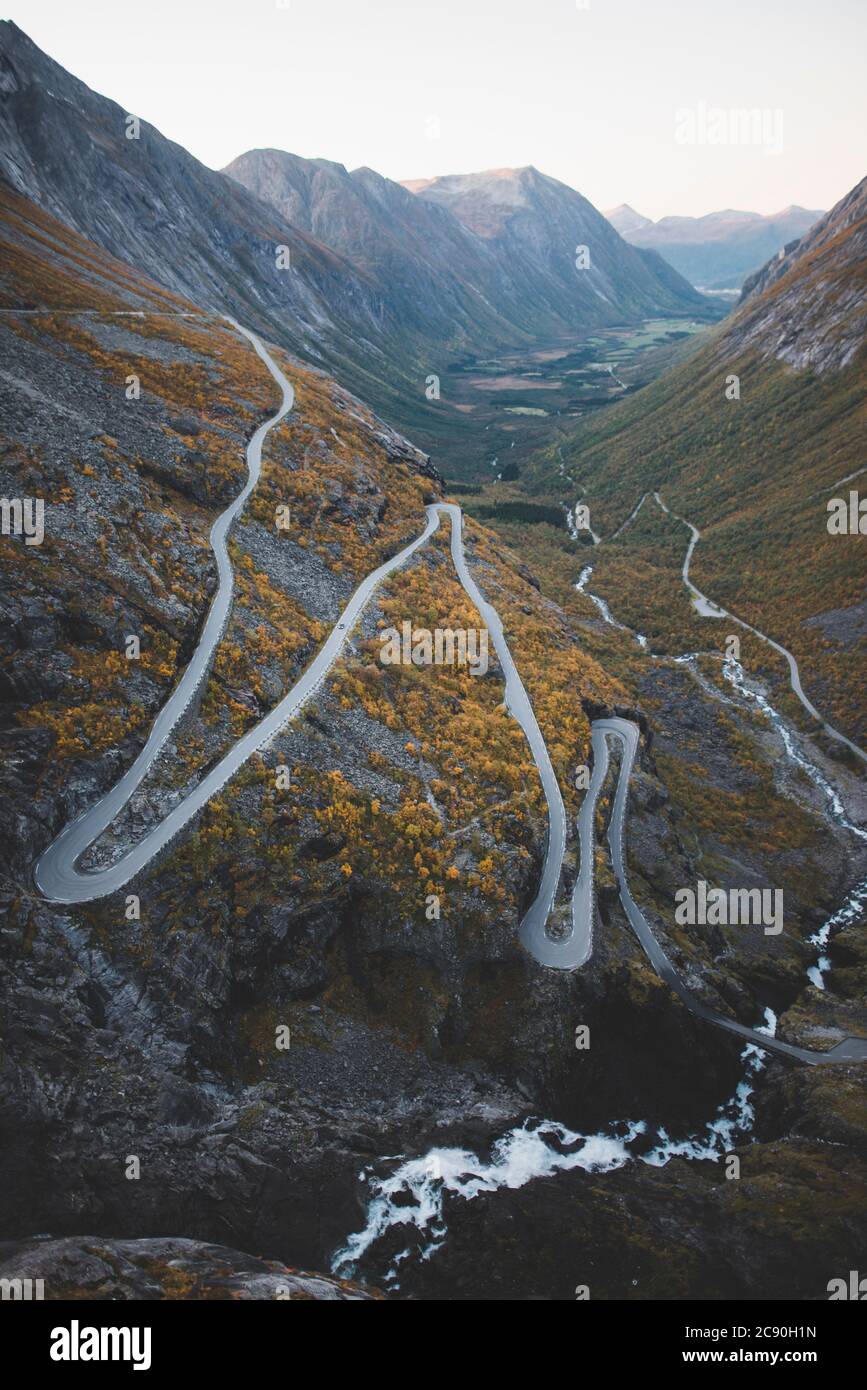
<point x="473" y="796"/>
<point x="75" y="272"/>
<point x="351" y="460"/>
<point x="90" y="726"/>
<point x="96" y="712"/>
<point x="472" y="759"/>
<point x="466" y="791"/>
<point x="470" y="795"/>
<point x="281" y="632"/>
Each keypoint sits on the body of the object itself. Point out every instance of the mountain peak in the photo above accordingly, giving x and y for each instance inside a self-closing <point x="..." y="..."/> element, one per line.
<point x="796" y="210"/>
<point x="521" y="172"/>
<point x="270" y="154"/>
<point x="486" y="201"/>
<point x="625" y="219"/>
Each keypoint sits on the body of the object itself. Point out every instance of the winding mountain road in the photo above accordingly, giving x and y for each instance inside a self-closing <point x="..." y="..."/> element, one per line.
<point x="57" y="873"/>
<point x="60" y="879"/>
<point x="627" y="733"/>
<point x="56" y="876"/>
<point x="708" y="609"/>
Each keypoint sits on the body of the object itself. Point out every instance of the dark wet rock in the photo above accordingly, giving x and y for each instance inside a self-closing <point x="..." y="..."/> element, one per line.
<point x="527" y="575"/>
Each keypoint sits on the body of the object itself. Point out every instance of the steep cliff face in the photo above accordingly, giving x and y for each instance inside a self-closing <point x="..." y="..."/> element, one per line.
<point x="808" y="306"/>
<point x="150" y="203"/>
<point x="199" y="234"/>
<point x="435" y="273"/>
<point x="496" y="250"/>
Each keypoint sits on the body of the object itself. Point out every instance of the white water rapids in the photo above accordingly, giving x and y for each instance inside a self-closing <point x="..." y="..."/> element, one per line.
<point x="415" y="1194"/>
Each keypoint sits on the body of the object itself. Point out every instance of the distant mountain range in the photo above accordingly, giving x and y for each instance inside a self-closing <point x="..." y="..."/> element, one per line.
<point x="717" y="251"/>
<point x="477" y="256"/>
<point x="384" y="287"/>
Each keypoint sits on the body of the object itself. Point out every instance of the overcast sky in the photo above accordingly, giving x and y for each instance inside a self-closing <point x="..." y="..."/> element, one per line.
<point x="619" y="98"/>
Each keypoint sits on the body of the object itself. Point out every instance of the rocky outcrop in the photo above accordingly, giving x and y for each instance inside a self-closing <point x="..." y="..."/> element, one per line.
<point x="96" y="1269"/>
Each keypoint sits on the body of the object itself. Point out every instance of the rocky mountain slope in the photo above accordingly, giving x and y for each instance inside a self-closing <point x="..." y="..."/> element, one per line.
<point x="198" y="232"/>
<point x="153" y="1036"/>
<point x="307" y="910"/>
<point x="150" y="203"/>
<point x="808" y="306"/>
<point x="435" y="272"/>
<point x="444" y="235"/>
<point x="721" y="249"/>
<point x="236" y="1051"/>
<point x="534" y="225"/>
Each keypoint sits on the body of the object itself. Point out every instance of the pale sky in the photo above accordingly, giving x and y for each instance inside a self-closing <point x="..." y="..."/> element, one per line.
<point x="589" y="91"/>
